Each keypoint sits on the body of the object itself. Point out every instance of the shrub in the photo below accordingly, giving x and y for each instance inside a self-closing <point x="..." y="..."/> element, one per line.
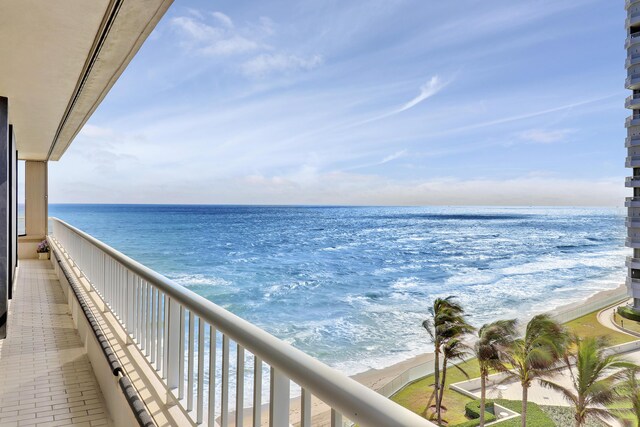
<point x="629" y="313"/>
<point x="472" y="410"/>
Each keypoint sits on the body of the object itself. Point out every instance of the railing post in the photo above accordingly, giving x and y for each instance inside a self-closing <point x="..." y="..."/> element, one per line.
<point x="279" y="402"/>
<point x="173" y="345"/>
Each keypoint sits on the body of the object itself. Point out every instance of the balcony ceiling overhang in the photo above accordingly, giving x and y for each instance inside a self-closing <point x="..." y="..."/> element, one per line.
<point x="59" y="59"/>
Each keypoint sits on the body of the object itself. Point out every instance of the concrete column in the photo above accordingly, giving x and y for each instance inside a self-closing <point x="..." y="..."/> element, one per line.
<point x="35" y="208"/>
<point x="36" y="195"/>
<point x="4" y="214"/>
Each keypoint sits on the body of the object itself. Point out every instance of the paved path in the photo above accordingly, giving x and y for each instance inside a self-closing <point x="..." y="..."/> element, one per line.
<point x="45" y="376"/>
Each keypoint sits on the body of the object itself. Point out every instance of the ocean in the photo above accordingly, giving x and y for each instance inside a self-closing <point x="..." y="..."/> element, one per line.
<point x="351" y="285"/>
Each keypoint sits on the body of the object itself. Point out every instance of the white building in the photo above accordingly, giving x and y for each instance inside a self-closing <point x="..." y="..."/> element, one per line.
<point x="632" y="143"/>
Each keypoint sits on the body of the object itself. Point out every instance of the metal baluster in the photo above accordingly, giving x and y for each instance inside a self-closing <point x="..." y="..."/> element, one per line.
<point x="336" y="418"/>
<point x="181" y="360"/>
<point x="143" y="316"/>
<point x="212" y="376"/>
<point x="139" y="310"/>
<point x="239" y="385"/>
<point x="153" y="323"/>
<point x="148" y="316"/>
<point x="279" y="402"/>
<point x="200" y="397"/>
<point x="159" y="310"/>
<point x="172" y="365"/>
<point x="165" y="340"/>
<point x="224" y="398"/>
<point x="257" y="391"/>
<point x="305" y="409"/>
<point x="190" y="362"/>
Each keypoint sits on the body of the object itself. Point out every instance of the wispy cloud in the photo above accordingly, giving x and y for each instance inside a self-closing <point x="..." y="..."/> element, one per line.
<point x="387" y="159"/>
<point x="216" y="34"/>
<point x="542" y="136"/>
<point x="427" y="90"/>
<point x="208" y="39"/>
<point x="223" y="19"/>
<point x="394" y="156"/>
<point x="525" y="116"/>
<point x="265" y="64"/>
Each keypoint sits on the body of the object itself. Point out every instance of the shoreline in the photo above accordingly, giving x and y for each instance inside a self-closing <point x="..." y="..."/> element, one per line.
<point x="378" y="378"/>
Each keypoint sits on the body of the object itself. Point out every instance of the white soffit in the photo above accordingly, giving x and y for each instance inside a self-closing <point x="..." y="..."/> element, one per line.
<point x="59" y="59"/>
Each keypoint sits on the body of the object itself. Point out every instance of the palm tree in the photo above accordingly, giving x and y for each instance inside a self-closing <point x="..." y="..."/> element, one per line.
<point x="535" y="354"/>
<point x="493" y="339"/>
<point x="593" y="376"/>
<point x="453" y="349"/>
<point x="445" y="323"/>
<point x="631" y="390"/>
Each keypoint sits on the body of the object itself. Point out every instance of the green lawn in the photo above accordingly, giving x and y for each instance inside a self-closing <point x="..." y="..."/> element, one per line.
<point x="418" y="396"/>
<point x="536" y="417"/>
<point x="632" y="325"/>
<point x="588" y="326"/>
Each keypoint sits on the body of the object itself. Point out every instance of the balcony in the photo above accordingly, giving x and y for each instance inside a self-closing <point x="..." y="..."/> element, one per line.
<point x="633" y="81"/>
<point x="632" y="242"/>
<point x="634" y="285"/>
<point x="632" y="59"/>
<point x="628" y="3"/>
<point x="632" y="181"/>
<point x="632" y="40"/>
<point x="633" y="222"/>
<point x="632" y="19"/>
<point x="632" y="101"/>
<point x="179" y="334"/>
<point x="632" y="141"/>
<point x="632" y="262"/>
<point x="632" y="161"/>
<point x="632" y="121"/>
<point x="632" y="202"/>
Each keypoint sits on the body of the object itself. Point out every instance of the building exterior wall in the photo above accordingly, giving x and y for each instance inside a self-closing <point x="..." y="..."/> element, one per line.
<point x="632" y="143"/>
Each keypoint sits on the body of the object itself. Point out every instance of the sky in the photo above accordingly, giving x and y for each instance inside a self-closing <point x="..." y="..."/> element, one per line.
<point x="376" y="102"/>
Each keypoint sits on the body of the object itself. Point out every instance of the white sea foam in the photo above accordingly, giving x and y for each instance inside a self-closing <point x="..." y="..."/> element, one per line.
<point x="189" y="280"/>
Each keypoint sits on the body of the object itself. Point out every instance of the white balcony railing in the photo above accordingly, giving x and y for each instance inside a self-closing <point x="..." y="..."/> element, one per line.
<point x="632" y="39"/>
<point x="632" y="59"/>
<point x="632" y="18"/>
<point x="170" y="324"/>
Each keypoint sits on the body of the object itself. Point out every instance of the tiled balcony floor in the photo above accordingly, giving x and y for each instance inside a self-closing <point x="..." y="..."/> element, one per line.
<point x="45" y="376"/>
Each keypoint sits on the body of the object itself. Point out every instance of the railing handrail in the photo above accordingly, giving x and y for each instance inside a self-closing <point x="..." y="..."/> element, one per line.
<point x="354" y="400"/>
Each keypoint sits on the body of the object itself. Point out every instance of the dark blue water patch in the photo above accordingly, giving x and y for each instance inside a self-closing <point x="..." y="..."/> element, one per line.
<point x="448" y="217"/>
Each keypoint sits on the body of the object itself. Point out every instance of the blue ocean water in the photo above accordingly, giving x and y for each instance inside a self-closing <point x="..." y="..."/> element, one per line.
<point x="351" y="285"/>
